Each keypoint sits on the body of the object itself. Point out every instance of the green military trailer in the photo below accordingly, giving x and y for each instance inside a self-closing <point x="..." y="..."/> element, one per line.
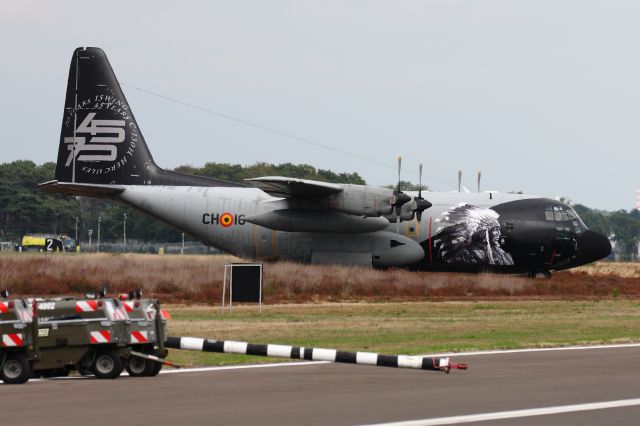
<point x="55" y="336"/>
<point x="147" y="331"/>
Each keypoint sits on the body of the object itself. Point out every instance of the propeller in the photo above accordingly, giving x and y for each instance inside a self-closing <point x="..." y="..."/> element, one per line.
<point x="459" y="180"/>
<point x="419" y="204"/>
<point x="479" y="176"/>
<point x="399" y="198"/>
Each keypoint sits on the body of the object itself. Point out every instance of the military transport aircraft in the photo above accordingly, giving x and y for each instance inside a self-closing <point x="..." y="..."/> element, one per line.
<point x="102" y="153"/>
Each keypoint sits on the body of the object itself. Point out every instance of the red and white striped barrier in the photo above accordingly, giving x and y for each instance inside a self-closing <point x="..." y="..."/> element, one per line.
<point x="129" y="305"/>
<point x="87" y="306"/>
<point x="12" y="340"/>
<point x="313" y="354"/>
<point x="4" y="307"/>
<point x="139" y="337"/>
<point x="102" y="336"/>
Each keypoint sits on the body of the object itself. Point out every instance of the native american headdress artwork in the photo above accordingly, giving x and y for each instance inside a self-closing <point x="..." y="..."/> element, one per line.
<point x="467" y="234"/>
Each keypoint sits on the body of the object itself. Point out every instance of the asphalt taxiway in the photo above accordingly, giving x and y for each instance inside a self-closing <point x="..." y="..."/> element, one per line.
<point x="552" y="387"/>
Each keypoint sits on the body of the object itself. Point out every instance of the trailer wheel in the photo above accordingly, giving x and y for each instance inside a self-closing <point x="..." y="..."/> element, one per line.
<point x="16" y="369"/>
<point x="137" y="367"/>
<point x="153" y="369"/>
<point x="107" y="365"/>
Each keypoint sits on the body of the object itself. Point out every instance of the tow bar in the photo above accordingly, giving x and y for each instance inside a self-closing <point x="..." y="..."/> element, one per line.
<point x="314" y="354"/>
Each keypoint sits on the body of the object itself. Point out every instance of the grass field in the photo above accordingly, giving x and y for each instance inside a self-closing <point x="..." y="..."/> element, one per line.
<point x="397" y="311"/>
<point x="198" y="279"/>
<point x="410" y="328"/>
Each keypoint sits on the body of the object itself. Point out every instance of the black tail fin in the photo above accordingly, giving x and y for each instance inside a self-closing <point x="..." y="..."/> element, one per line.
<point x="109" y="147"/>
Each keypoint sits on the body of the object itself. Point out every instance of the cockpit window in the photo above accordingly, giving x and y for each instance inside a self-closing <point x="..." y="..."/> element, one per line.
<point x="565" y="214"/>
<point x="548" y="213"/>
<point x="557" y="213"/>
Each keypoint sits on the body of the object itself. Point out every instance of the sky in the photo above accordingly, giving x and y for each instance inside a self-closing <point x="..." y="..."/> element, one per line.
<point x="542" y="96"/>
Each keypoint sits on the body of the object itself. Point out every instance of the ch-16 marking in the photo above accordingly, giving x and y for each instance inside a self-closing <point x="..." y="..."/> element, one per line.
<point x="223" y="219"/>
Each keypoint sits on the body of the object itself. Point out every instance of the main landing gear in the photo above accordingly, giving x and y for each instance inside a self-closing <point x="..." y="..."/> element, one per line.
<point x="540" y="275"/>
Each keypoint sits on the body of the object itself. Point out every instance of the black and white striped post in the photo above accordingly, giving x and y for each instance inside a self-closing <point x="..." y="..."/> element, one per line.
<point x="313" y="354"/>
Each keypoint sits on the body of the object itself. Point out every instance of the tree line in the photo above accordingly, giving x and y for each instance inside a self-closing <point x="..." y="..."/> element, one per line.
<point x="26" y="210"/>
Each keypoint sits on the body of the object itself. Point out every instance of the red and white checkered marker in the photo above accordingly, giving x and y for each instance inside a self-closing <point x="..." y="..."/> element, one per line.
<point x="87" y="306"/>
<point x="97" y="337"/>
<point x="139" y="337"/>
<point x="4" y="307"/>
<point x="12" y="340"/>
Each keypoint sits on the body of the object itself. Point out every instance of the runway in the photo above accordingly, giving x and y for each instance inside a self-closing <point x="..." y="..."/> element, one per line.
<point x="553" y="387"/>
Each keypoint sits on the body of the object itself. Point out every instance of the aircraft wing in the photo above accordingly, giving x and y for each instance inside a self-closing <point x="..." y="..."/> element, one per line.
<point x="285" y="187"/>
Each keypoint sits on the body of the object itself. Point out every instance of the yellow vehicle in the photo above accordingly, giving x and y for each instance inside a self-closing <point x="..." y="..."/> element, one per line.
<point x="40" y="242"/>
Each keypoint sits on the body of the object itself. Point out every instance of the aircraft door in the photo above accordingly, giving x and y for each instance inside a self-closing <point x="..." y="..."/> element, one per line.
<point x="564" y="246"/>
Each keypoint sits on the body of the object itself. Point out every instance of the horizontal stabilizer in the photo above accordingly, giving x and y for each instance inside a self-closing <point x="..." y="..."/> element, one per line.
<point x="85" y="189"/>
<point x="290" y="187"/>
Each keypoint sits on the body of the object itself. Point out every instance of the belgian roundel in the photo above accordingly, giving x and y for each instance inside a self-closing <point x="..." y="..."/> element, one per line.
<point x="226" y="220"/>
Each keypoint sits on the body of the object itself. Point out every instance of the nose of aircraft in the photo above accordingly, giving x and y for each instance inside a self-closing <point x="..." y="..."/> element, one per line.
<point x="592" y="246"/>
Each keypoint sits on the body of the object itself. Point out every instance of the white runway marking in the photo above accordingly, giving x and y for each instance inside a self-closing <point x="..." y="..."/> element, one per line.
<point x="201" y="369"/>
<point x="516" y="351"/>
<point x="500" y="415"/>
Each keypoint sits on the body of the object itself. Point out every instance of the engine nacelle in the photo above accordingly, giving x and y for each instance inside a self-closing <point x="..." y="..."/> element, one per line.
<point x="292" y="220"/>
<point x="360" y="200"/>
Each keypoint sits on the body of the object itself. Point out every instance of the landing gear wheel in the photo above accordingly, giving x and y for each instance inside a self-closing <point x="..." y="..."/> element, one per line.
<point x="540" y="275"/>
<point x="137" y="367"/>
<point x="16" y="369"/>
<point x="107" y="365"/>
